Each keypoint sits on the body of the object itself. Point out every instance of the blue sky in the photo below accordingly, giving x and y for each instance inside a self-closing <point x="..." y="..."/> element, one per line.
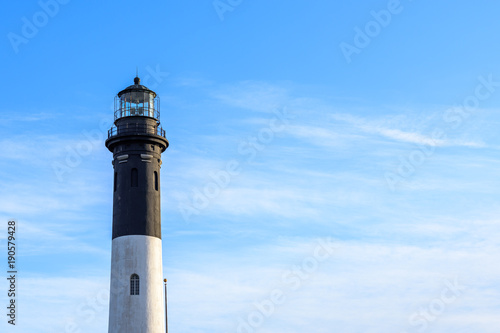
<point x="361" y="187"/>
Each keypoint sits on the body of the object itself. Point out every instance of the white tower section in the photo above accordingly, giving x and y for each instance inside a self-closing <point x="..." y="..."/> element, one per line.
<point x="143" y="311"/>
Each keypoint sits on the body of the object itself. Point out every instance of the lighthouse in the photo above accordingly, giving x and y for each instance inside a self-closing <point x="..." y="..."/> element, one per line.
<point x="136" y="140"/>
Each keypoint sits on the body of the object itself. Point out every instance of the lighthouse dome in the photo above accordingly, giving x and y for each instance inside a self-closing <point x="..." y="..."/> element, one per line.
<point x="137" y="87"/>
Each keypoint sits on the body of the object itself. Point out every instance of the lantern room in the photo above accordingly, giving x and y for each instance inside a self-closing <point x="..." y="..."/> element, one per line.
<point x="137" y="100"/>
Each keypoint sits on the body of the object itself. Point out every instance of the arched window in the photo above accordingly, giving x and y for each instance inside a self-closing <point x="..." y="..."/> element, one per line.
<point x="156" y="180"/>
<point x="134" y="181"/>
<point x="134" y="284"/>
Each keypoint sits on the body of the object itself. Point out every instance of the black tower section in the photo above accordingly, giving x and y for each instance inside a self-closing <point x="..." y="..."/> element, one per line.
<point x="136" y="141"/>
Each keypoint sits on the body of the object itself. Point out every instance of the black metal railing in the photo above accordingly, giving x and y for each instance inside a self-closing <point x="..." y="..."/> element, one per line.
<point x="136" y="129"/>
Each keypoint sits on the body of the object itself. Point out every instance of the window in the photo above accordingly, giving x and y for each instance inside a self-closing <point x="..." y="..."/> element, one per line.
<point x="134" y="181"/>
<point x="134" y="284"/>
<point x="114" y="182"/>
<point x="156" y="180"/>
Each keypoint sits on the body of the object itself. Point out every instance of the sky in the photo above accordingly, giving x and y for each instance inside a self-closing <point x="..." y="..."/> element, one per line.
<point x="333" y="166"/>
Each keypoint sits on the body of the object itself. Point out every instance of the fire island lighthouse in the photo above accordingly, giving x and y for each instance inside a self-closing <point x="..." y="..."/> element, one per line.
<point x="136" y="141"/>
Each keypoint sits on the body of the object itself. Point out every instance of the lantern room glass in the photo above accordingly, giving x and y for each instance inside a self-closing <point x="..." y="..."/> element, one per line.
<point x="137" y="103"/>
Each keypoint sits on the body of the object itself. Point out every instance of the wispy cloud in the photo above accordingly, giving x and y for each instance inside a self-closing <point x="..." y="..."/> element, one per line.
<point x="9" y="117"/>
<point x="380" y="285"/>
<point x="385" y="127"/>
<point x="323" y="136"/>
<point x="255" y="96"/>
